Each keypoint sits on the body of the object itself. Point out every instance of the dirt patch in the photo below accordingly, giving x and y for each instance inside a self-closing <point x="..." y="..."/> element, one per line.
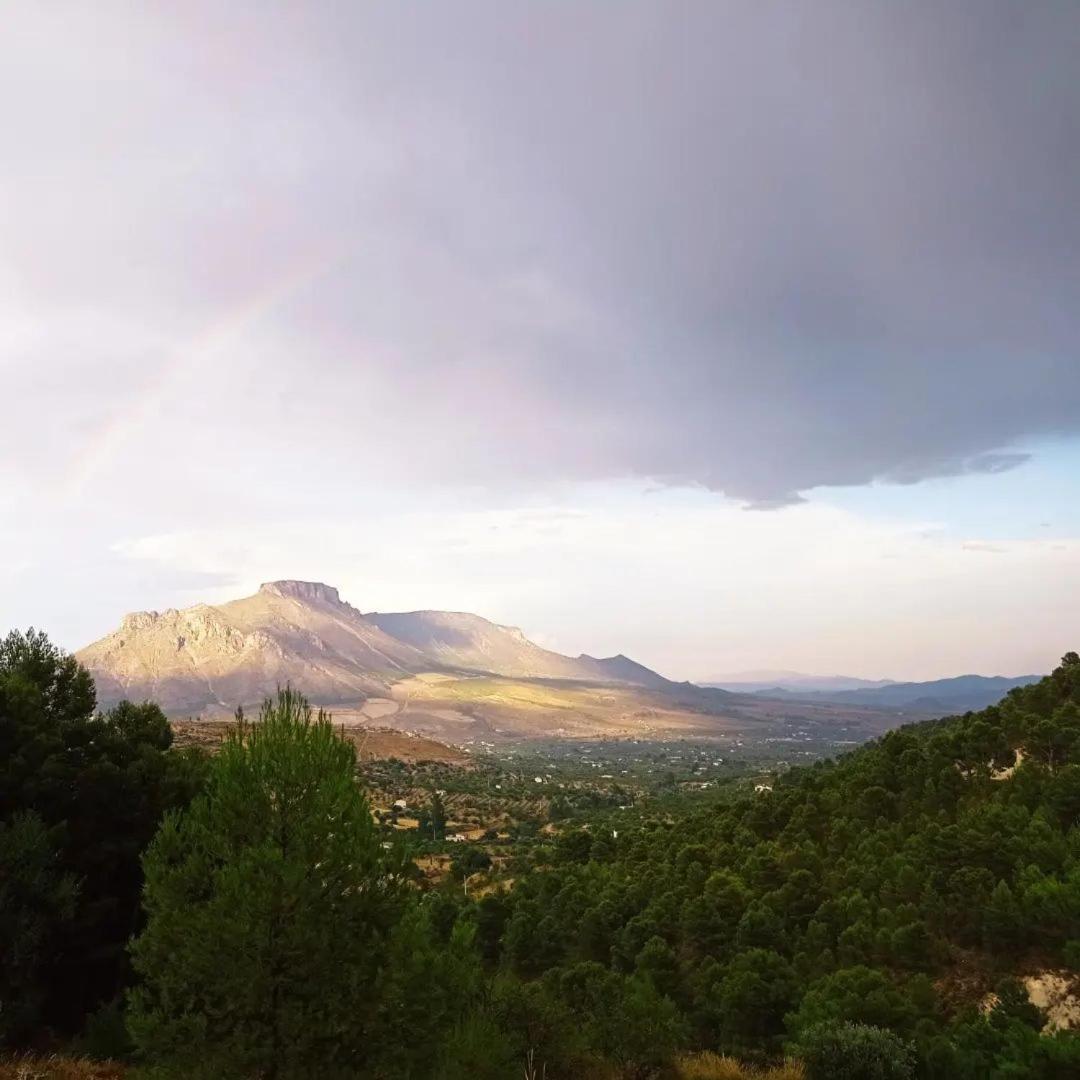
<point x="1057" y="993"/>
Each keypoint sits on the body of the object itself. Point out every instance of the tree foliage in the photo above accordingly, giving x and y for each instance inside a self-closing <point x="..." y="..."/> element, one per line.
<point x="36" y="901"/>
<point x="96" y="786"/>
<point x="836" y="898"/>
<point x="855" y="1052"/>
<point x="282" y="940"/>
<point x="834" y="917"/>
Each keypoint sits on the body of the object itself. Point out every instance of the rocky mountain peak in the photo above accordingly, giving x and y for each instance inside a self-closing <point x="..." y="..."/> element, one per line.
<point x="139" y="620"/>
<point x="308" y="591"/>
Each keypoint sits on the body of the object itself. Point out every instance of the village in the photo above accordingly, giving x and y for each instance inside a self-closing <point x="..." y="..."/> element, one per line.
<point x="479" y="823"/>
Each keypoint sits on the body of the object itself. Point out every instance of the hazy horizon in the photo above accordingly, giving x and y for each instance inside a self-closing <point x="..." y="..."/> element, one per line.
<point x="727" y="337"/>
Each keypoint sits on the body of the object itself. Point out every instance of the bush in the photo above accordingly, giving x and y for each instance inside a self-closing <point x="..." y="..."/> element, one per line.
<point x="472" y="860"/>
<point x="710" y="1066"/>
<point x="106" y="1037"/>
<point x="856" y="1052"/>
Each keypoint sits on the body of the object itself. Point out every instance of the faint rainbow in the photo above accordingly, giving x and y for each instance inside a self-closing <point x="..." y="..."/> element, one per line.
<point x="106" y="444"/>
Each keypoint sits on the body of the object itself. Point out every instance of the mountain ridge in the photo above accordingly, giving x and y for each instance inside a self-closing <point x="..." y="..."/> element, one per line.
<point x="750" y="682"/>
<point x="302" y="632"/>
<point x="961" y="693"/>
<point x="465" y="641"/>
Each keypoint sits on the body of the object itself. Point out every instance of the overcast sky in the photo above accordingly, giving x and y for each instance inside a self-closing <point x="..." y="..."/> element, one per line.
<point x="724" y="334"/>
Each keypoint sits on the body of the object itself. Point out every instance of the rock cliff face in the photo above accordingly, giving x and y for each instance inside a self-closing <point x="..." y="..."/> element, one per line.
<point x="296" y="632"/>
<point x="303" y="633"/>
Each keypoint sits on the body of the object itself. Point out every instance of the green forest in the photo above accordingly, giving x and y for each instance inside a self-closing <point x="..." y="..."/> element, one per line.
<point x="241" y="916"/>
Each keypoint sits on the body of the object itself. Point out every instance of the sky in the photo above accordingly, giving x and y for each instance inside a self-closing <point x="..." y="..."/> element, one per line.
<point x="724" y="335"/>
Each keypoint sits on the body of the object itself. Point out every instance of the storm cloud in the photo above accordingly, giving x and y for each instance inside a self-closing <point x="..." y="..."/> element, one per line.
<point x="760" y="248"/>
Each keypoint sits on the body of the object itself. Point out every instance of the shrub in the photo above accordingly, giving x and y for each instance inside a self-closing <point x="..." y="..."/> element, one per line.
<point x="856" y="1052"/>
<point x="789" y="1070"/>
<point x="710" y="1066"/>
<point x="106" y="1037"/>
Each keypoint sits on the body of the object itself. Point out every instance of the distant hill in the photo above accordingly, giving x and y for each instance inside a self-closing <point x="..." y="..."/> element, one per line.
<point x="964" y="693"/>
<point x="219" y="656"/>
<point x="751" y="682"/>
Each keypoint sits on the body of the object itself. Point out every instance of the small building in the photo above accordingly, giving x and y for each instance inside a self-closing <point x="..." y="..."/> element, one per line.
<point x="400" y="804"/>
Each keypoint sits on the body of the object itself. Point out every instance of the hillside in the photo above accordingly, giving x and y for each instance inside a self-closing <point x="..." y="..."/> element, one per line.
<point x="211" y="657"/>
<point x="458" y="640"/>
<point x="928" y="882"/>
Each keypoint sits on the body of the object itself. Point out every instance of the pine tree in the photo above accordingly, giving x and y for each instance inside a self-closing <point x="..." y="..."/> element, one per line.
<point x="427" y="989"/>
<point x="36" y="899"/>
<point x="1003" y="920"/>
<point x="271" y="906"/>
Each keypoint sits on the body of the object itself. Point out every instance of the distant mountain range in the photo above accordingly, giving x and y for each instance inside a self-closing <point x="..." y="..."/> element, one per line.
<point x="461" y="678"/>
<point x="956" y="695"/>
<point x="750" y="682"/>
<point x="303" y="633"/>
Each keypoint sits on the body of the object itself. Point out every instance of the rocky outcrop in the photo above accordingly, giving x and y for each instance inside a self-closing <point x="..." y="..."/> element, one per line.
<point x="308" y="592"/>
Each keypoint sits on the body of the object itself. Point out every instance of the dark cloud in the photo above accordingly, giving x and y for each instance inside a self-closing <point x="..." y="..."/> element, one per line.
<point x="755" y="247"/>
<point x="996" y="463"/>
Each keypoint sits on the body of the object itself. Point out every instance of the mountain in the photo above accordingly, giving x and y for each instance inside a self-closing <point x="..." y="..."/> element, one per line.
<point x="751" y="682"/>
<point x="289" y="631"/>
<point x="451" y="676"/>
<point x="458" y="640"/>
<point x="964" y="693"/>
<point x="219" y="656"/>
